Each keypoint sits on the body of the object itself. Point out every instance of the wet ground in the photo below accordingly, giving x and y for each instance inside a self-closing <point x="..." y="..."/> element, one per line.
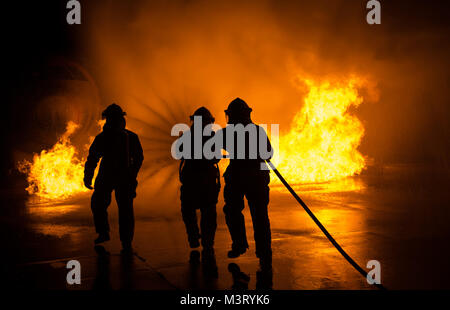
<point x="398" y="216"/>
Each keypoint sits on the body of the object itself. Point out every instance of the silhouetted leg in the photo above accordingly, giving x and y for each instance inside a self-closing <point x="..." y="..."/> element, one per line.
<point x="234" y="204"/>
<point x="208" y="225"/>
<point x="261" y="227"/>
<point x="100" y="200"/>
<point x="189" y="214"/>
<point x="258" y="200"/>
<point x="124" y="198"/>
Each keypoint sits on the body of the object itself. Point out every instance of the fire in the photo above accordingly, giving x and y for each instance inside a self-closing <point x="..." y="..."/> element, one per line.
<point x="56" y="173"/>
<point x="324" y="137"/>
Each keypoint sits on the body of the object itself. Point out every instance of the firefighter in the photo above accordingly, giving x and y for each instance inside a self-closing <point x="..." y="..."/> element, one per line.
<point x="121" y="157"/>
<point x="200" y="186"/>
<point x="246" y="177"/>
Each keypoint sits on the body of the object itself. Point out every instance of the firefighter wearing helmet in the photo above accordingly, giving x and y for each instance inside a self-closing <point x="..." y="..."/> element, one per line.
<point x="121" y="157"/>
<point x="245" y="177"/>
<point x="200" y="186"/>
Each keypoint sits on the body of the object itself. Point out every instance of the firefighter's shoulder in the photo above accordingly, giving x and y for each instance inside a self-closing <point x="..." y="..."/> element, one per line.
<point x="131" y="134"/>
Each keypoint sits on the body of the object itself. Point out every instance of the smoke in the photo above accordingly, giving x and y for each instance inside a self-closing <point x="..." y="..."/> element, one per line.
<point x="161" y="60"/>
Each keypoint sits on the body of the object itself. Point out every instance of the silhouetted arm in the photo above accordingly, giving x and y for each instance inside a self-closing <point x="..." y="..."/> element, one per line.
<point x="222" y="133"/>
<point x="268" y="145"/>
<point x="138" y="157"/>
<point x="95" y="153"/>
<point x="214" y="160"/>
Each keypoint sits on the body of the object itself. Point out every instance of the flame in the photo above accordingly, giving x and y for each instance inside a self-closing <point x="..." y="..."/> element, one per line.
<point x="56" y="173"/>
<point x="322" y="143"/>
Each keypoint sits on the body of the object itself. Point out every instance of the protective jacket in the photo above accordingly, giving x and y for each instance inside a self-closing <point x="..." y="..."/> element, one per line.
<point x="121" y="157"/>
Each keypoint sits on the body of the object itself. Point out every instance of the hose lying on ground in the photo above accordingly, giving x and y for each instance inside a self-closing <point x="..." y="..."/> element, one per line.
<point x="322" y="228"/>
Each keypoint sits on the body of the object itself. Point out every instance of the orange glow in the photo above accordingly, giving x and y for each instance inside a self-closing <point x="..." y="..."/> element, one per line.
<point x="56" y="173"/>
<point x="323" y="140"/>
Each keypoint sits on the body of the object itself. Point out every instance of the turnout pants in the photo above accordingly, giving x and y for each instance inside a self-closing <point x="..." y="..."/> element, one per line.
<point x="204" y="198"/>
<point x="100" y="201"/>
<point x="254" y="185"/>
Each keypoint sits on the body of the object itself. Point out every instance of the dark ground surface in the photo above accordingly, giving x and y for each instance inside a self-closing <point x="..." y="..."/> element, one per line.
<point x="398" y="216"/>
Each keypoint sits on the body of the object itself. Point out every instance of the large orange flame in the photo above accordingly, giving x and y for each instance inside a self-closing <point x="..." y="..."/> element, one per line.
<point x="324" y="137"/>
<point x="322" y="145"/>
<point x="56" y="173"/>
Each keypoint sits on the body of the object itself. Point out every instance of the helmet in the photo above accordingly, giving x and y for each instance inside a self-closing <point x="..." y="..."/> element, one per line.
<point x="238" y="107"/>
<point x="113" y="111"/>
<point x="204" y="113"/>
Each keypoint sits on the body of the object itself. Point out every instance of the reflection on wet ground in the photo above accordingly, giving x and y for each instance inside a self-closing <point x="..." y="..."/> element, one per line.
<point x="398" y="217"/>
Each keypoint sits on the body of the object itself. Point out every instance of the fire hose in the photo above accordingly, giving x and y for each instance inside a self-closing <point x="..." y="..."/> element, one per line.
<point x="319" y="224"/>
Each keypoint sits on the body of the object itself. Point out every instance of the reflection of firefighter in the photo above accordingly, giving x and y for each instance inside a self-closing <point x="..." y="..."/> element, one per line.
<point x="121" y="158"/>
<point x="200" y="179"/>
<point x="244" y="177"/>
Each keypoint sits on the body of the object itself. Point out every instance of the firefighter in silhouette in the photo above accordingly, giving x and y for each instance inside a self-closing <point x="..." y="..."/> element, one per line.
<point x="200" y="186"/>
<point x="247" y="176"/>
<point x="121" y="157"/>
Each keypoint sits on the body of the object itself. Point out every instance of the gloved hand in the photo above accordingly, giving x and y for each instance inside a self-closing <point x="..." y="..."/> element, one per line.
<point x="87" y="183"/>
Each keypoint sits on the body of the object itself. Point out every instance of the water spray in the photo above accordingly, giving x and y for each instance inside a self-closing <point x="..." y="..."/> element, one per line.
<point x="319" y="224"/>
